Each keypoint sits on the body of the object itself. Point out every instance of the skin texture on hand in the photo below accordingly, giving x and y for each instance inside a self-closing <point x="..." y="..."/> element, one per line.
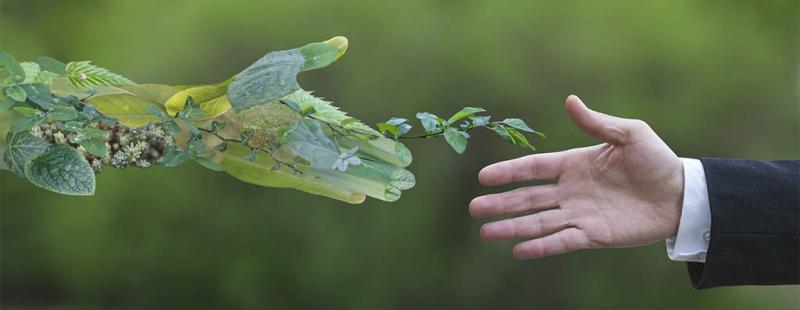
<point x="625" y="192"/>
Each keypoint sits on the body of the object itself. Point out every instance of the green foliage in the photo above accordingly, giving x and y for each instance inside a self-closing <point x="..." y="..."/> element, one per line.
<point x="51" y="65"/>
<point x="13" y="69"/>
<point x="275" y="75"/>
<point x="303" y="141"/>
<point x="86" y="75"/>
<point x="62" y="169"/>
<point x="457" y="139"/>
<point x="308" y="141"/>
<point x="22" y="147"/>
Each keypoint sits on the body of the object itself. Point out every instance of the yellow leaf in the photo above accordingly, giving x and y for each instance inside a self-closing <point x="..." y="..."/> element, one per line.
<point x="212" y="99"/>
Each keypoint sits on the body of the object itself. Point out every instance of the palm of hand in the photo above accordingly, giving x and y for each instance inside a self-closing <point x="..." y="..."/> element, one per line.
<point x="622" y="193"/>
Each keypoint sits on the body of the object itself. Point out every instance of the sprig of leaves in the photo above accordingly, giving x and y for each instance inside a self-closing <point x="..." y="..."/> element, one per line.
<point x="85" y="74"/>
<point x="455" y="128"/>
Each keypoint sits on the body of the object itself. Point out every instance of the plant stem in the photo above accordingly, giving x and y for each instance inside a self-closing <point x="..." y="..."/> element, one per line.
<point x="266" y="151"/>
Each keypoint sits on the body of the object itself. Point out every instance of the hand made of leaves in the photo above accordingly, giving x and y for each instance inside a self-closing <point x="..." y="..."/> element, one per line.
<point x="258" y="126"/>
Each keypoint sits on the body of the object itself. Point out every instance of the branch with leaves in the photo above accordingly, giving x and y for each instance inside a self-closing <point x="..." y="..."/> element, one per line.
<point x="72" y="120"/>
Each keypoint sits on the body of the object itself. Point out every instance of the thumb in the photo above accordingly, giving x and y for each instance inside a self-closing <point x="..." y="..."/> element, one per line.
<point x="604" y="127"/>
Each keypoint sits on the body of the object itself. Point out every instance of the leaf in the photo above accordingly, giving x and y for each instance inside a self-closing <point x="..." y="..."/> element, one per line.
<point x="12" y="67"/>
<point x="22" y="147"/>
<point x="95" y="146"/>
<point x="17" y="93"/>
<point x="430" y="122"/>
<point x="62" y="169"/>
<point x="174" y="157"/>
<point x="275" y="75"/>
<point x="260" y="172"/>
<point x="318" y="55"/>
<point x="208" y="162"/>
<point x="325" y="111"/>
<point x="502" y="132"/>
<point x="6" y="103"/>
<point x="307" y="140"/>
<point x="27" y="112"/>
<point x="26" y="123"/>
<point x="129" y="109"/>
<point x="62" y="113"/>
<point x="85" y="75"/>
<point x="212" y="99"/>
<point x="464" y="113"/>
<point x="456" y="139"/>
<point x="480" y="121"/>
<point x="40" y="95"/>
<point x="51" y="64"/>
<point x="156" y="93"/>
<point x="519" y="139"/>
<point x="518" y="124"/>
<point x="32" y="71"/>
<point x="386" y="127"/>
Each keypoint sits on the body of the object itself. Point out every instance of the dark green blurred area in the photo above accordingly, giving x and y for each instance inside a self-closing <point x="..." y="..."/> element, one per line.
<point x="713" y="78"/>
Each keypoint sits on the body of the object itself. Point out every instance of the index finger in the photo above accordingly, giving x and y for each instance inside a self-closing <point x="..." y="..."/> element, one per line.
<point x="546" y="166"/>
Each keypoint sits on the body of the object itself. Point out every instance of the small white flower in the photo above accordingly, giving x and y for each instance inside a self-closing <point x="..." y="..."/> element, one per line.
<point x="346" y="159"/>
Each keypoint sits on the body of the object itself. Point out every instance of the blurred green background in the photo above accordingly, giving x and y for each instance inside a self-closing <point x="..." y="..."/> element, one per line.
<point x="713" y="78"/>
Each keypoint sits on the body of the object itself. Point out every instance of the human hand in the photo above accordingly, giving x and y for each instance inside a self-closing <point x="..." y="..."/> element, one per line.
<point x="625" y="192"/>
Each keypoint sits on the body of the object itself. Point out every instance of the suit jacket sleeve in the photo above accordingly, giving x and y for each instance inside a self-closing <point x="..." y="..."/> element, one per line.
<point x="755" y="224"/>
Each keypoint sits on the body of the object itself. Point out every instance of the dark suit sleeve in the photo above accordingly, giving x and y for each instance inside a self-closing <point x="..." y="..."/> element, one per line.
<point x="755" y="224"/>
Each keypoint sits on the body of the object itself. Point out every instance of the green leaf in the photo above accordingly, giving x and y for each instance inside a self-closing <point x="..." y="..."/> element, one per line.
<point x="519" y="139"/>
<point x="129" y="109"/>
<point x="456" y="139"/>
<point x="260" y="172"/>
<point x="275" y="75"/>
<point x="430" y="122"/>
<point x="6" y="103"/>
<point x="26" y="123"/>
<point x="13" y="68"/>
<point x="502" y="132"/>
<point x="325" y="111"/>
<point x="208" y="161"/>
<point x="386" y="127"/>
<point x="318" y="55"/>
<point x="480" y="121"/>
<point x="17" y="93"/>
<point x="27" y="112"/>
<point x="347" y="121"/>
<point x="216" y="126"/>
<point x="40" y="95"/>
<point x="32" y="71"/>
<point x="62" y="169"/>
<point x="308" y="141"/>
<point x="84" y="74"/>
<point x="22" y="147"/>
<point x="174" y="157"/>
<point x="518" y="124"/>
<point x="51" y="64"/>
<point x="95" y="146"/>
<point x="62" y="113"/>
<point x="95" y="133"/>
<point x="191" y="110"/>
<point x="464" y="113"/>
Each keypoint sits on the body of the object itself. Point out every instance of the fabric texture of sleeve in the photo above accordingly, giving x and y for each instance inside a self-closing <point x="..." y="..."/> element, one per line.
<point x="755" y="224"/>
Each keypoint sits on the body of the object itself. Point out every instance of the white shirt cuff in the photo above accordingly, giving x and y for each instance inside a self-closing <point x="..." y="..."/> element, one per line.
<point x="694" y="230"/>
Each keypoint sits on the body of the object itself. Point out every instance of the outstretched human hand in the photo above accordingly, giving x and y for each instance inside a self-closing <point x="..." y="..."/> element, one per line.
<point x="624" y="192"/>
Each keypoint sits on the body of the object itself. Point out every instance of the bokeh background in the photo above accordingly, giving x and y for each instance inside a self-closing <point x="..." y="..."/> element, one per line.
<point x="713" y="78"/>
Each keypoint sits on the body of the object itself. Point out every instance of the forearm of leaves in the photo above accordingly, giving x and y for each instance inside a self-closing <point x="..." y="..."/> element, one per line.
<point x="244" y="140"/>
